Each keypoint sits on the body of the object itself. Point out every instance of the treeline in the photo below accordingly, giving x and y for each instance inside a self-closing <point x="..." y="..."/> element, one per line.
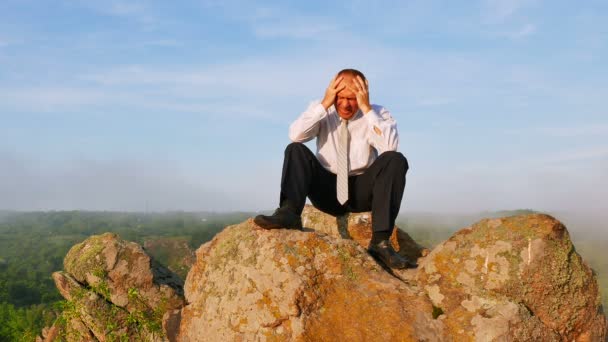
<point x="33" y="245"/>
<point x="130" y="226"/>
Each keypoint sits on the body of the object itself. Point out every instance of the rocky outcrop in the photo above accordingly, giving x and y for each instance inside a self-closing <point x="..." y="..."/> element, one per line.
<point x="114" y="291"/>
<point x="514" y="278"/>
<point x="250" y="284"/>
<point x="509" y="279"/>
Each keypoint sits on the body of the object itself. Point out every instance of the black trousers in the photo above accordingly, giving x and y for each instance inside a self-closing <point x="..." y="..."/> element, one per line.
<point x="379" y="188"/>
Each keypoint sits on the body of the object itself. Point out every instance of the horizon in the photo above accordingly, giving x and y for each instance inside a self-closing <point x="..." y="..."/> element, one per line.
<point x="581" y="227"/>
<point x="148" y="106"/>
<point x="246" y="211"/>
<point x="401" y="215"/>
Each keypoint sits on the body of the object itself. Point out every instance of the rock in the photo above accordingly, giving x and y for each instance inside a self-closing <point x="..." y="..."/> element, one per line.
<point x="76" y="330"/>
<point x="255" y="285"/>
<point x="116" y="267"/>
<point x="171" y="322"/>
<point x="507" y="279"/>
<point x="514" y="278"/>
<point x="115" y="291"/>
<point x="358" y="226"/>
<point x="68" y="327"/>
<point x="66" y="284"/>
<point x="87" y="308"/>
<point x="48" y="334"/>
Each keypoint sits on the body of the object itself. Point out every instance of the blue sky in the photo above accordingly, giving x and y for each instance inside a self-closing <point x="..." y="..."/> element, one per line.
<point x="128" y="105"/>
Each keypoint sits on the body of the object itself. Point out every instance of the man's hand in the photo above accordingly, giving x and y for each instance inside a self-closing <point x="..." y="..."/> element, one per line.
<point x="361" y="90"/>
<point x="334" y="88"/>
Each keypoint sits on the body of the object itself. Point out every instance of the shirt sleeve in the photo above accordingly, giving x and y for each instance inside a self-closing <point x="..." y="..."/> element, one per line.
<point x="306" y="126"/>
<point x="382" y="133"/>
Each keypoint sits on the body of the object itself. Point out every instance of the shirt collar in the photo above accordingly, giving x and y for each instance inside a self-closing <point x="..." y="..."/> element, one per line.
<point x="355" y="117"/>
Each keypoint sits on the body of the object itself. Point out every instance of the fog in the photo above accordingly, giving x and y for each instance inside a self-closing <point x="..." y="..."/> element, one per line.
<point x="117" y="185"/>
<point x="458" y="196"/>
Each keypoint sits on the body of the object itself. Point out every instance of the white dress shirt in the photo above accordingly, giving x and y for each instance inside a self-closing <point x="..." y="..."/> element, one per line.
<point x="371" y="134"/>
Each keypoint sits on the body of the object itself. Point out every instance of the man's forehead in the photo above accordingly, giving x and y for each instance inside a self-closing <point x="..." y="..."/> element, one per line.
<point x="346" y="92"/>
<point x="348" y="81"/>
<point x="347" y="78"/>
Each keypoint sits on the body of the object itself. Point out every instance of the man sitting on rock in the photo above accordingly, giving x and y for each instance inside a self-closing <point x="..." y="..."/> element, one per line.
<point x="356" y="168"/>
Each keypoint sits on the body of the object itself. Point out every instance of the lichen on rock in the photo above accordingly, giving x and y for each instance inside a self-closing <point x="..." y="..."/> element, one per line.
<point x="292" y="285"/>
<point x="523" y="267"/>
<point x="114" y="291"/>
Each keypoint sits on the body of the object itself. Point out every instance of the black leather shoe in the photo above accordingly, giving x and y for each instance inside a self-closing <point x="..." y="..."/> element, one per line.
<point x="383" y="251"/>
<point x="281" y="218"/>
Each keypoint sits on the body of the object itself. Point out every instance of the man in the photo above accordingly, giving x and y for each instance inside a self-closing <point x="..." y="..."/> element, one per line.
<point x="356" y="168"/>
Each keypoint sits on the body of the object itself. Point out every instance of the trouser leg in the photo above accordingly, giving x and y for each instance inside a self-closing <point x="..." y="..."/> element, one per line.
<point x="304" y="176"/>
<point x="297" y="175"/>
<point x="380" y="188"/>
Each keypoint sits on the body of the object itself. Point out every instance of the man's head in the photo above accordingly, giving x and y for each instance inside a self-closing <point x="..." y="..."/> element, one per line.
<point x="346" y="100"/>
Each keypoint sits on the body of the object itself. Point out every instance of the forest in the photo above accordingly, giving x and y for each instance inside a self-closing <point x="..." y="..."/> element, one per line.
<point x="33" y="245"/>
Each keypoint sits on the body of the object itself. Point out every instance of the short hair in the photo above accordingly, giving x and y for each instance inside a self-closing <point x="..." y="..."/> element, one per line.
<point x="352" y="72"/>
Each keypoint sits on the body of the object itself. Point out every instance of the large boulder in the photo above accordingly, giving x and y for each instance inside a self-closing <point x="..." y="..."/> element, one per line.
<point x="255" y="285"/>
<point x="114" y="290"/>
<point x="514" y="278"/>
<point x="508" y="279"/>
<point x="115" y="266"/>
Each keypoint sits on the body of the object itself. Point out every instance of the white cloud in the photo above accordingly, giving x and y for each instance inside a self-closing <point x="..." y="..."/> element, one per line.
<point x="247" y="88"/>
<point x="523" y="32"/>
<point x="48" y="98"/>
<point x="135" y="11"/>
<point x="276" y="23"/>
<point x="581" y="154"/>
<point x="290" y="74"/>
<point x="163" y="43"/>
<point x="423" y="79"/>
<point x="501" y="10"/>
<point x="584" y="130"/>
<point x="293" y="30"/>
<point x="517" y="33"/>
<point x="574" y="130"/>
<point x="118" y="101"/>
<point x="126" y="8"/>
<point x="434" y="101"/>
